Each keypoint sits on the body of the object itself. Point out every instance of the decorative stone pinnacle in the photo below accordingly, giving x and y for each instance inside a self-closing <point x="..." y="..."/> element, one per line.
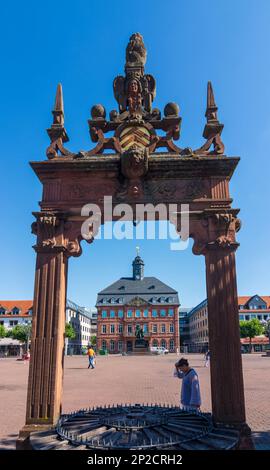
<point x="58" y="111"/>
<point x="211" y="107"/>
<point x="57" y="132"/>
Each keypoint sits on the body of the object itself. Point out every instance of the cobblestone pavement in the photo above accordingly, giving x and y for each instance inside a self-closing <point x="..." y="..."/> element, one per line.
<point x="131" y="379"/>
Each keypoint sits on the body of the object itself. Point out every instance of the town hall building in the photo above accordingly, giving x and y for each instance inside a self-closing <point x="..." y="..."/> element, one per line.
<point x="137" y="304"/>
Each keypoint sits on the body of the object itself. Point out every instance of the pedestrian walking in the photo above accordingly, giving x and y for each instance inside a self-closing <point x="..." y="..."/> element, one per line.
<point x="91" y="357"/>
<point x="190" y="390"/>
<point x="207" y="358"/>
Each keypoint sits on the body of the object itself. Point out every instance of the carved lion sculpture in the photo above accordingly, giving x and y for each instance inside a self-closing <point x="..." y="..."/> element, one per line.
<point x="135" y="52"/>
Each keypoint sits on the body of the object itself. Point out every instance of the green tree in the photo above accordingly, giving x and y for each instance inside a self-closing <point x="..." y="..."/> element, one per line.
<point x="266" y="327"/>
<point x="250" y="329"/>
<point x="2" y="331"/>
<point x="93" y="340"/>
<point x="22" y="333"/>
<point x="69" y="331"/>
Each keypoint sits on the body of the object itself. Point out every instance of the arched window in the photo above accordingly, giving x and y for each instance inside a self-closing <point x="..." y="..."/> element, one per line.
<point x="171" y="345"/>
<point x="163" y="343"/>
<point x="104" y="344"/>
<point x="155" y="343"/>
<point x="112" y="345"/>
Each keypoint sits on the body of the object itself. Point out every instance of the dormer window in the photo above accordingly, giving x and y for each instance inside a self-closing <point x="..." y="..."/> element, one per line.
<point x="170" y="299"/>
<point x="151" y="287"/>
<point x="154" y="300"/>
<point x="162" y="299"/>
<point x="15" y="311"/>
<point x="112" y="300"/>
<point x="2" y="311"/>
<point x="30" y="312"/>
<point x="122" y="288"/>
<point x="120" y="300"/>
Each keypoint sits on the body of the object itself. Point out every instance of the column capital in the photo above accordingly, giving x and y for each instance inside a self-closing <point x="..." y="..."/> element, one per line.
<point x="214" y="229"/>
<point x="56" y="232"/>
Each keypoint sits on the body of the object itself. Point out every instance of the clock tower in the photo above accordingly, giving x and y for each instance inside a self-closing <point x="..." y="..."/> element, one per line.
<point x="138" y="267"/>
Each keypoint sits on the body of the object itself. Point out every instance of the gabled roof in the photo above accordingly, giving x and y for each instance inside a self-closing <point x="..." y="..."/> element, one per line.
<point x="126" y="288"/>
<point x="23" y="305"/>
<point x="243" y="300"/>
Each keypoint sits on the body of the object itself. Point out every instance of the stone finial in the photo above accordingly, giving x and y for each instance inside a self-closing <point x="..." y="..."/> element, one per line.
<point x="212" y="129"/>
<point x="58" y="111"/>
<point x="57" y="132"/>
<point x="211" y="107"/>
<point x="135" y="51"/>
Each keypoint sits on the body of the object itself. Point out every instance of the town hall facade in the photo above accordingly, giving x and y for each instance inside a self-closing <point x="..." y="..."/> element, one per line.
<point x="137" y="303"/>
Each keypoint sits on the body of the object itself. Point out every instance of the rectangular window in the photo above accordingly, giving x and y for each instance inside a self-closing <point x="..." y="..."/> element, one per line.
<point x="120" y="328"/>
<point x="163" y="312"/>
<point x="129" y="313"/>
<point x="104" y="329"/>
<point x="171" y="312"/>
<point x="120" y="313"/>
<point x="120" y="345"/>
<point x="129" y="328"/>
<point x="154" y="313"/>
<point x="145" y="328"/>
<point x="112" y="313"/>
<point x="137" y="313"/>
<point x="104" y="314"/>
<point x="145" y="313"/>
<point x="253" y="316"/>
<point x="112" y="329"/>
<point x="163" y="328"/>
<point x="246" y="317"/>
<point x="171" y="328"/>
<point x="241" y="317"/>
<point x="112" y="345"/>
<point x="154" y="328"/>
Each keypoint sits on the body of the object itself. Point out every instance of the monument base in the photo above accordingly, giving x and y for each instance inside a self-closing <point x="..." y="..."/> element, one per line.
<point x="23" y="442"/>
<point x="141" y="347"/>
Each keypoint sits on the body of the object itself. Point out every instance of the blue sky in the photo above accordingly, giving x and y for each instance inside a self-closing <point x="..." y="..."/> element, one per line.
<point x="82" y="45"/>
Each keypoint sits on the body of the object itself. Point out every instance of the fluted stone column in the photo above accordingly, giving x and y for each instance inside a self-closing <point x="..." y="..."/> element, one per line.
<point x="228" y="403"/>
<point x="47" y="345"/>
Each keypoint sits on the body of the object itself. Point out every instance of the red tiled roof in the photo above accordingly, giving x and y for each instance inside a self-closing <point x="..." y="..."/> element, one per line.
<point x="23" y="305"/>
<point x="242" y="300"/>
<point x="256" y="340"/>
